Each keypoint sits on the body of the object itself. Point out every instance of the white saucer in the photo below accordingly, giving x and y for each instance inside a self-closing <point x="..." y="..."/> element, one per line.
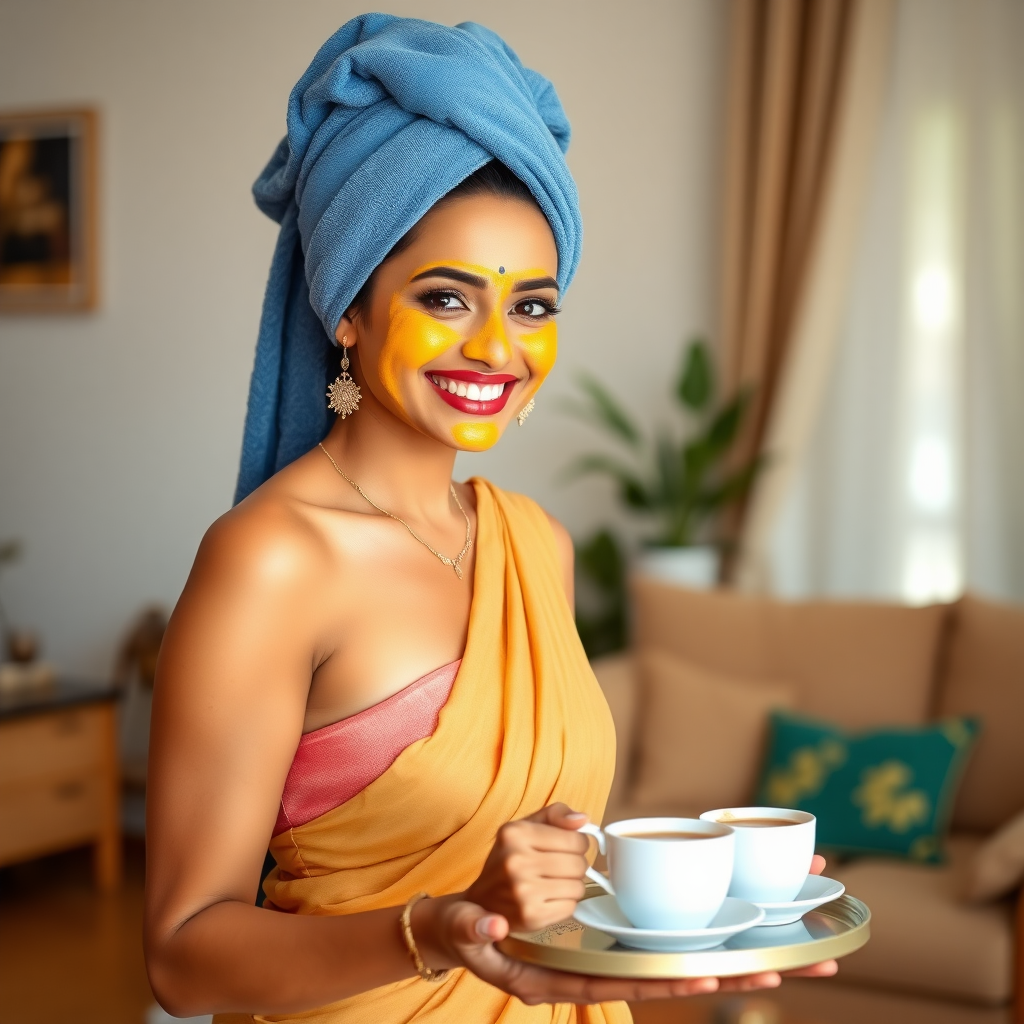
<point x="815" y="891"/>
<point x="602" y="913"/>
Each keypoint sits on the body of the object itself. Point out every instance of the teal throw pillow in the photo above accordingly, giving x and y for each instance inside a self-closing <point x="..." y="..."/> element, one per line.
<point x="885" y="791"/>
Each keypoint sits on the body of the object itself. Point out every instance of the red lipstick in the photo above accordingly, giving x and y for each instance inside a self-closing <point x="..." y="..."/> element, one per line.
<point x="474" y="406"/>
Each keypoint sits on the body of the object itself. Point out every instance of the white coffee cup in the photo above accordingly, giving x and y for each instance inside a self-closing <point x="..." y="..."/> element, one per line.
<point x="771" y="861"/>
<point x="666" y="884"/>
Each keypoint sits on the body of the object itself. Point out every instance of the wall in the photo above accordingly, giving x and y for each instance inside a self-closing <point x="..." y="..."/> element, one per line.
<point x="120" y="430"/>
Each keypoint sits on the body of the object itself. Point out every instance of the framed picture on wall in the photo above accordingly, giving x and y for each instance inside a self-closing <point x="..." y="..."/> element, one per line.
<point x="48" y="251"/>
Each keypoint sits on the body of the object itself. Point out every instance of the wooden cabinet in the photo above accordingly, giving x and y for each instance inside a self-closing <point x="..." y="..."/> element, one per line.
<point x="59" y="784"/>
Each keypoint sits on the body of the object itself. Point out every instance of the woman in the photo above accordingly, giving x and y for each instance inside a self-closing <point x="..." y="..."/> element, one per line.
<point x="429" y="225"/>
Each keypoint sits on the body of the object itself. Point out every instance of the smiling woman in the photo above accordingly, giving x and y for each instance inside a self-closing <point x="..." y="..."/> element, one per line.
<point x="480" y="318"/>
<point x="428" y="230"/>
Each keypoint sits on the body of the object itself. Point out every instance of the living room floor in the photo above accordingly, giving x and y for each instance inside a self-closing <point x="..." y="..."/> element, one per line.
<point x="68" y="954"/>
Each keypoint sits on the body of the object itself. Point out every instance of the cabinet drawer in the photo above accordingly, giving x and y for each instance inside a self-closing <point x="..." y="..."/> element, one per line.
<point x="52" y="743"/>
<point x="40" y="816"/>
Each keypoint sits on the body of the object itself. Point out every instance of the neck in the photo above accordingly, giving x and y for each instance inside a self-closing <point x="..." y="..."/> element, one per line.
<point x="404" y="471"/>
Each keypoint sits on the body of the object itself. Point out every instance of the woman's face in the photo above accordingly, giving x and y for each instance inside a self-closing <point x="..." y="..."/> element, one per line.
<point x="460" y="330"/>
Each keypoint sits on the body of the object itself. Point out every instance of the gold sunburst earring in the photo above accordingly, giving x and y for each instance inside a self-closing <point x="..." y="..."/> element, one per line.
<point x="343" y="395"/>
<point x="525" y="411"/>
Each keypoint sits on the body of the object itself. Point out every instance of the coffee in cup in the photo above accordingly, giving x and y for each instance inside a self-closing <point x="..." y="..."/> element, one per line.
<point x="664" y="835"/>
<point x="760" y="822"/>
<point x="666" y="874"/>
<point x="774" y="847"/>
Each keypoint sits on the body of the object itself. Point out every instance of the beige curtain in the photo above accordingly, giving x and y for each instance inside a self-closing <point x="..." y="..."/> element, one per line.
<point x="805" y="80"/>
<point x="912" y="485"/>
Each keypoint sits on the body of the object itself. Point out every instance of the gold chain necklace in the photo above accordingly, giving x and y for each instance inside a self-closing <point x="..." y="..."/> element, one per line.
<point x="456" y="562"/>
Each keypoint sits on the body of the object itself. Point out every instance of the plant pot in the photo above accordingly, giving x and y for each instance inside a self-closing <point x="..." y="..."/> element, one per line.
<point x="694" y="567"/>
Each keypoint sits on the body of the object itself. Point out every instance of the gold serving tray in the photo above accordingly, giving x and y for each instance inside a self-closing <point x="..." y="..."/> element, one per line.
<point x="831" y="931"/>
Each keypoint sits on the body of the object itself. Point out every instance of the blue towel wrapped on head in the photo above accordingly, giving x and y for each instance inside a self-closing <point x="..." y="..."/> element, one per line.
<point x="392" y="114"/>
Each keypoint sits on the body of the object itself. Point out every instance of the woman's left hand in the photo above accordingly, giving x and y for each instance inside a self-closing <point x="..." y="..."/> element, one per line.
<point x="827" y="967"/>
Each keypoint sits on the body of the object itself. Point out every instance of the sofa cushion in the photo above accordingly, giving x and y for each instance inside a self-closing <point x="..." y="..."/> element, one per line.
<point x="716" y="629"/>
<point x="922" y="936"/>
<point x="984" y="677"/>
<point x="835" y="1002"/>
<point x="616" y="674"/>
<point x="887" y="790"/>
<point x="854" y="663"/>
<point x="998" y="868"/>
<point x="858" y="664"/>
<point x="700" y="734"/>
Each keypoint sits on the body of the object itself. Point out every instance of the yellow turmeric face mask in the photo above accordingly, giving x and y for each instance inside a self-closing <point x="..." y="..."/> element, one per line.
<point x="468" y="346"/>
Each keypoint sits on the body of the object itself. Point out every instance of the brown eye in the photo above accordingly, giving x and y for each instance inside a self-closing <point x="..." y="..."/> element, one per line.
<point x="533" y="309"/>
<point x="442" y="302"/>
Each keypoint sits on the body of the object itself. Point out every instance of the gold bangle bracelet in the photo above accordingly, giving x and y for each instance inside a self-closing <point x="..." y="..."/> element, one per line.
<point x="425" y="972"/>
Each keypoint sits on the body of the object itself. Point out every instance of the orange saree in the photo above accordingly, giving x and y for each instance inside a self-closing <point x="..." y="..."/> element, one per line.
<point x="525" y="725"/>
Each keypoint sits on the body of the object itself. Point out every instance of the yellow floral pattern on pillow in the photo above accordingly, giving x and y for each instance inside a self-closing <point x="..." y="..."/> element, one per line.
<point x="888" y="789"/>
<point x="805" y="774"/>
<point x="885" y="798"/>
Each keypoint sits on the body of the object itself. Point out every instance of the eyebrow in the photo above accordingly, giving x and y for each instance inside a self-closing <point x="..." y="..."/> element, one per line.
<point x="456" y="275"/>
<point x="478" y="282"/>
<point x="536" y="282"/>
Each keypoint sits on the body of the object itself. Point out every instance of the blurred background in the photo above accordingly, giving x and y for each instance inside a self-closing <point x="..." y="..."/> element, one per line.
<point x="785" y="430"/>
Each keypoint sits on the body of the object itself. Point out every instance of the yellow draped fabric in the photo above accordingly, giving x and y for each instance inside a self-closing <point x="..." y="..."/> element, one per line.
<point x="526" y="725"/>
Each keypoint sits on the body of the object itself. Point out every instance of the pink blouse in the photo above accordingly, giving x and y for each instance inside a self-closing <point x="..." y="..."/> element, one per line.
<point x="334" y="763"/>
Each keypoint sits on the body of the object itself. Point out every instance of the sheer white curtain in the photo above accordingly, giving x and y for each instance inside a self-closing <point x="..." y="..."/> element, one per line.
<point x="913" y="486"/>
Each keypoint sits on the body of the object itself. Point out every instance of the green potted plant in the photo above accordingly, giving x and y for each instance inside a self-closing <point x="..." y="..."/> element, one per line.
<point x="681" y="479"/>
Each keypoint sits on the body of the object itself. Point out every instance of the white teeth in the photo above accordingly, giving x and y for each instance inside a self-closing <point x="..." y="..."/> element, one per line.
<point x="474" y="392"/>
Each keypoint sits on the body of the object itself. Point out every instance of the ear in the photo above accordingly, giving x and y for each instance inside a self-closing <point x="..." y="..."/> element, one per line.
<point x="347" y="333"/>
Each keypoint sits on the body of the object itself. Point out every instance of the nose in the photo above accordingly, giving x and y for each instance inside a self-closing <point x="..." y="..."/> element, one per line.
<point x="490" y="344"/>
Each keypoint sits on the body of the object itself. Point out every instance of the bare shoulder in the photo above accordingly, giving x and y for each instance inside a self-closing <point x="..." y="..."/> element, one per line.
<point x="264" y="561"/>
<point x="566" y="554"/>
<point x="251" y="607"/>
<point x="265" y="539"/>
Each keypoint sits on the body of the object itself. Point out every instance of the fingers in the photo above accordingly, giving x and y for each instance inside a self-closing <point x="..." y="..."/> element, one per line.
<point x="817" y="864"/>
<point x="560" y="815"/>
<point x="557" y="866"/>
<point x="607" y="990"/>
<point x="471" y="925"/>
<point x="751" y="982"/>
<point x="533" y="985"/>
<point x="826" y="969"/>
<point x="541" y="838"/>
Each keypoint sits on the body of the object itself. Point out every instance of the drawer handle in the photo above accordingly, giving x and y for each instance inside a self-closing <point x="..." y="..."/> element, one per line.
<point x="69" y="790"/>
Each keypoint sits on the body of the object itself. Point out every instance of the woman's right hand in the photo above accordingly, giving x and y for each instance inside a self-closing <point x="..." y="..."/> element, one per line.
<point x="535" y="873"/>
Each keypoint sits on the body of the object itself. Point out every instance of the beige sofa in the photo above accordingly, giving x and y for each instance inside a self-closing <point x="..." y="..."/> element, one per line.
<point x="933" y="955"/>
